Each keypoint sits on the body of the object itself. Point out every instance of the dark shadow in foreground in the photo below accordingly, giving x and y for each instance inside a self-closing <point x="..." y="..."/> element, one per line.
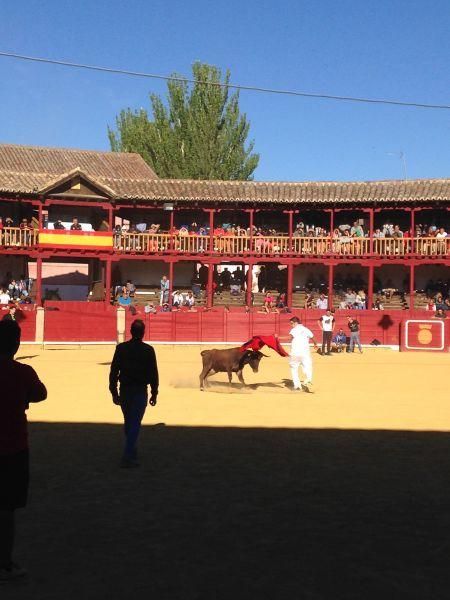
<point x="236" y="513"/>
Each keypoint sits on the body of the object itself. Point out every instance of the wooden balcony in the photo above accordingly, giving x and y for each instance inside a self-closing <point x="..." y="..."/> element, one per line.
<point x="14" y="237"/>
<point x="244" y="246"/>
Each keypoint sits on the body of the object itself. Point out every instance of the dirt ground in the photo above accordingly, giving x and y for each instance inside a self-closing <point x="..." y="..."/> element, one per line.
<point x="242" y="493"/>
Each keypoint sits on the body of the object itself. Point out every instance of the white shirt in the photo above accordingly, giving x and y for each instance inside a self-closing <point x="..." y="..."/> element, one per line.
<point x="327" y="322"/>
<point x="322" y="303"/>
<point x="4" y="298"/>
<point x="300" y="340"/>
<point x="178" y="298"/>
<point x="441" y="236"/>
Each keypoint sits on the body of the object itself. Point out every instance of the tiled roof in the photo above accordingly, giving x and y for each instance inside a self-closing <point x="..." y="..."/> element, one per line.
<point x="326" y="192"/>
<point x="30" y="170"/>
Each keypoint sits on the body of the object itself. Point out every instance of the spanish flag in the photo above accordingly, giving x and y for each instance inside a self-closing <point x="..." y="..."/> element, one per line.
<point x="81" y="240"/>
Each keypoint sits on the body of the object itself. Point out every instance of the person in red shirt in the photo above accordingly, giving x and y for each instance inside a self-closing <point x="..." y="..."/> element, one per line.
<point x="19" y="385"/>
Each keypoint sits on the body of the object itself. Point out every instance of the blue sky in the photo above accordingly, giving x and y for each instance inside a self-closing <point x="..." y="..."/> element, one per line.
<point x="376" y="48"/>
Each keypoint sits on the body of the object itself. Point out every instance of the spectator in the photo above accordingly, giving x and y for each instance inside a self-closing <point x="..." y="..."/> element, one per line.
<point x="322" y="302"/>
<point x="441" y="234"/>
<point x="377" y="305"/>
<point x="149" y="308"/>
<point x="309" y="300"/>
<point x="165" y="307"/>
<point x="268" y="303"/>
<point x="11" y="315"/>
<point x="177" y="300"/>
<point x="190" y="301"/>
<point x="131" y="288"/>
<point x="440" y="314"/>
<point x="75" y="225"/>
<point x="4" y="297"/>
<point x="353" y="325"/>
<point x="13" y="290"/>
<point x="165" y="288"/>
<point x="326" y="324"/>
<point x="235" y="284"/>
<point x="339" y="342"/>
<point x="124" y="299"/>
<point x="58" y="225"/>
<point x="430" y="305"/>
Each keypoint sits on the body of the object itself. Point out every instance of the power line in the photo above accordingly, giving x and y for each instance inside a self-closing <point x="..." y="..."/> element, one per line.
<point x="249" y="88"/>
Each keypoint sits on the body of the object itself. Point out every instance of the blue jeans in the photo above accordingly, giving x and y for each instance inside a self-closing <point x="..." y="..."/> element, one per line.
<point x="133" y="402"/>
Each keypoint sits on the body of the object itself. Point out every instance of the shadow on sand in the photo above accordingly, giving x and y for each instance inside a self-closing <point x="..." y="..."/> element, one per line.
<point x="223" y="513"/>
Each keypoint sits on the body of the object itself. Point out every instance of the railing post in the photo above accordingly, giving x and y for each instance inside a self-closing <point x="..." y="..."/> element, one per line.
<point x="413" y="230"/>
<point x="211" y="231"/>
<point x="170" y="282"/>
<point x="120" y="325"/>
<point x="251" y="211"/>
<point x="291" y="218"/>
<point x="171" y="239"/>
<point x="40" y="323"/>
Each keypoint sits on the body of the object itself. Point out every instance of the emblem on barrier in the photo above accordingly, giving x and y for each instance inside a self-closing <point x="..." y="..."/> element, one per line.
<point x="424" y="335"/>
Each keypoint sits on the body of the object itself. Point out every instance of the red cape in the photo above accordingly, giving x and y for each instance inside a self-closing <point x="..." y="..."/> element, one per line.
<point x="259" y="341"/>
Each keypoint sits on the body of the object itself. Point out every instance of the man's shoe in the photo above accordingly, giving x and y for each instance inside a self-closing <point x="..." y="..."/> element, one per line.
<point x="329" y="354"/>
<point x="12" y="573"/>
<point x="306" y="387"/>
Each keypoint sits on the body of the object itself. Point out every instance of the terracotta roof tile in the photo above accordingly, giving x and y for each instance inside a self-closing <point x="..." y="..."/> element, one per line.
<point x="29" y="170"/>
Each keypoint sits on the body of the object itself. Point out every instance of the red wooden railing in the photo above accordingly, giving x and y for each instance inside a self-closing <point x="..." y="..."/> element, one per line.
<point x="272" y="245"/>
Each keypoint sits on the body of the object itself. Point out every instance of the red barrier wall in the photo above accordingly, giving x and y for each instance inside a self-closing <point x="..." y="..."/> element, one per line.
<point x="95" y="322"/>
<point x="26" y="318"/>
<point x="80" y="322"/>
<point x="235" y="326"/>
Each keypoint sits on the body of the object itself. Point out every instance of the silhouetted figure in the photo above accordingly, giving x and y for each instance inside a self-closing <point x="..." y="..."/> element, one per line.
<point x="134" y="367"/>
<point x="19" y="385"/>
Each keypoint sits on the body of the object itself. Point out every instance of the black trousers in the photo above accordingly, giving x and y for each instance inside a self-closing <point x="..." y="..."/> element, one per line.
<point x="326" y="341"/>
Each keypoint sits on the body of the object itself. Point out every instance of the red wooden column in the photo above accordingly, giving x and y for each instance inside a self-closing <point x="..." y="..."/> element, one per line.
<point x="209" y="286"/>
<point x="371" y="220"/>
<point x="411" y="287"/>
<point x="110" y="218"/>
<point x="331" y="222"/>
<point x="413" y="230"/>
<point x="108" y="281"/>
<point x="251" y="211"/>
<point x="330" y="285"/>
<point x="290" y="284"/>
<point x="39" y="281"/>
<point x="248" y="291"/>
<point x="211" y="231"/>
<point x="40" y="219"/>
<point x="291" y="231"/>
<point x="370" y="288"/>
<point x="171" y="246"/>
<point x="170" y="282"/>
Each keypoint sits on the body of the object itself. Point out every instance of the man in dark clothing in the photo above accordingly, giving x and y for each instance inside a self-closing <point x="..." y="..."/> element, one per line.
<point x="19" y="385"/>
<point x="11" y="314"/>
<point x="353" y="325"/>
<point x="58" y="225"/>
<point x="134" y="367"/>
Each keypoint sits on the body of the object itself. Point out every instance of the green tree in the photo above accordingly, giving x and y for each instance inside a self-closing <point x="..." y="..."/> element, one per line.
<point x="198" y="134"/>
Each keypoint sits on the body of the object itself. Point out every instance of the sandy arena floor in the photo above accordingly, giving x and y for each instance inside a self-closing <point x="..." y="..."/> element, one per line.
<point x="380" y="389"/>
<point x="261" y="493"/>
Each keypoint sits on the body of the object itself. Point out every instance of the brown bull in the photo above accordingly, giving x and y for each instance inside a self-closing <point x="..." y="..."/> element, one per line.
<point x="231" y="360"/>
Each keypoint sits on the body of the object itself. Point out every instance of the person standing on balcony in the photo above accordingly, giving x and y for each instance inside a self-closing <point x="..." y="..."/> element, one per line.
<point x="326" y="324"/>
<point x="353" y="325"/>
<point x="134" y="367"/>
